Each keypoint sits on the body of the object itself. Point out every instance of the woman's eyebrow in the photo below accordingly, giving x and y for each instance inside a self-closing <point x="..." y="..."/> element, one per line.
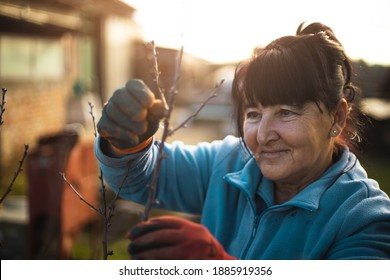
<point x="294" y="106"/>
<point x="249" y="106"/>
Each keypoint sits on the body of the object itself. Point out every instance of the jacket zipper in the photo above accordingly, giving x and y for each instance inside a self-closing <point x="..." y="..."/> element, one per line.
<point x="256" y="221"/>
<point x="255" y="225"/>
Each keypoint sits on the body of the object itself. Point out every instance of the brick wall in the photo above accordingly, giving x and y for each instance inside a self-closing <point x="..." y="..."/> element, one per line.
<point x="32" y="110"/>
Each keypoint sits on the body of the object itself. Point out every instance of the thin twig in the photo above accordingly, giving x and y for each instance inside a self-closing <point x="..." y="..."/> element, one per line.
<point x="106" y="221"/>
<point x="93" y="118"/>
<point x="78" y="194"/>
<point x="106" y="211"/>
<point x="156" y="79"/>
<point x="103" y="210"/>
<point x="2" y="105"/>
<point x="107" y="215"/>
<point x="16" y="174"/>
<point x="101" y="178"/>
<point x="152" y="187"/>
<point x="186" y="121"/>
<point x="121" y="184"/>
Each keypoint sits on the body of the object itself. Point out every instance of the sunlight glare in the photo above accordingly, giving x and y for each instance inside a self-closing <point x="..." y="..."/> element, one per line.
<point x="226" y="31"/>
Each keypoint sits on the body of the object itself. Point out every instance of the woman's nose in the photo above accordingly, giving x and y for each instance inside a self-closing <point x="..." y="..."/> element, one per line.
<point x="266" y="130"/>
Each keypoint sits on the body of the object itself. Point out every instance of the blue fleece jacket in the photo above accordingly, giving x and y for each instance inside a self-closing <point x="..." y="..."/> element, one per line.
<point x="342" y="215"/>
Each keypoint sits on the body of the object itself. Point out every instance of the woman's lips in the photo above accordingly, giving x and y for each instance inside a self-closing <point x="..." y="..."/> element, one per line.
<point x="271" y="154"/>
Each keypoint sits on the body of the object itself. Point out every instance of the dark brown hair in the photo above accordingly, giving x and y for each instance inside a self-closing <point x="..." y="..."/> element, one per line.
<point x="310" y="66"/>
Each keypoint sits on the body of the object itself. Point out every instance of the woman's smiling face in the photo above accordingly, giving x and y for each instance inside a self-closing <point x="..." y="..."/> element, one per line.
<point x="292" y="145"/>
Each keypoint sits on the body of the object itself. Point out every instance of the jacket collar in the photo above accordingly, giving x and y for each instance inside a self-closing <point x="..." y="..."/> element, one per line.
<point x="251" y="182"/>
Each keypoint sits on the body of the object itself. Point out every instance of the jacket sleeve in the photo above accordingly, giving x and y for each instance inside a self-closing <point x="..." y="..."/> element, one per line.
<point x="365" y="233"/>
<point x="183" y="179"/>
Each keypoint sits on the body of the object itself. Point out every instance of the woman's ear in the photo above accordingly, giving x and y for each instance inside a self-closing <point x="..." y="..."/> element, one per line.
<point x="339" y="118"/>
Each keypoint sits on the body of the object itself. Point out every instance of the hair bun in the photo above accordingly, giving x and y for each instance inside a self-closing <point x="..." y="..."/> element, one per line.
<point x="314" y="28"/>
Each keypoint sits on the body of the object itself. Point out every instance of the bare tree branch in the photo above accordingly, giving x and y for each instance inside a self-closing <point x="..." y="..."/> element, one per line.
<point x="153" y="184"/>
<point x="79" y="195"/>
<point x="186" y="121"/>
<point x="93" y="118"/>
<point x="156" y="73"/>
<point x="2" y="105"/>
<point x="167" y="131"/>
<point x="16" y="174"/>
<point x="106" y="211"/>
<point x="20" y="167"/>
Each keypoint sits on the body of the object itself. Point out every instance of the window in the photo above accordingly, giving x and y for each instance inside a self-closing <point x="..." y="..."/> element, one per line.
<point x="27" y="58"/>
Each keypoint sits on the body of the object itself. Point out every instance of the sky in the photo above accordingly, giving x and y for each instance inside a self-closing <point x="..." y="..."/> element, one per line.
<point x="224" y="31"/>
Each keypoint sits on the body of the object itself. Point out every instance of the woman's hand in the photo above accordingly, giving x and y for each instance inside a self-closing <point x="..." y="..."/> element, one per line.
<point x="174" y="238"/>
<point x="130" y="116"/>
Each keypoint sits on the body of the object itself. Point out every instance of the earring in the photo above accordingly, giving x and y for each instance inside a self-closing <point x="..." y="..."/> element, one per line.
<point x="334" y="133"/>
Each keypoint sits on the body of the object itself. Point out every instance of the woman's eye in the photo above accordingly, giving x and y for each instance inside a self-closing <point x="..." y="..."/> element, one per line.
<point x="253" y="115"/>
<point x="286" y="113"/>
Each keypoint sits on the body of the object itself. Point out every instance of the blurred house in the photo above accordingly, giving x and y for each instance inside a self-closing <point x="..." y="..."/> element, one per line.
<point x="55" y="57"/>
<point x="54" y="51"/>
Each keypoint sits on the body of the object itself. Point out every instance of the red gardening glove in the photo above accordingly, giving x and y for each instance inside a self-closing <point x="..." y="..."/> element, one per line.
<point x="173" y="238"/>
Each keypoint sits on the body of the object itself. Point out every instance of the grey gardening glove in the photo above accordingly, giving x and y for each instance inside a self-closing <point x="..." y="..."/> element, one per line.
<point x="131" y="116"/>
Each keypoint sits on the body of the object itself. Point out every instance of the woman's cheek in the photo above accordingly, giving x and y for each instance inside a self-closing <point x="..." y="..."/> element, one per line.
<point x="250" y="136"/>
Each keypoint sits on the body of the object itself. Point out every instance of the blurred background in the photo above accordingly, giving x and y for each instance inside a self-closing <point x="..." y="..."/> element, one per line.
<point x="58" y="55"/>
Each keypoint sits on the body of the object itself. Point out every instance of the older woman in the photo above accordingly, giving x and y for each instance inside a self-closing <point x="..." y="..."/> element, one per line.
<point x="289" y="187"/>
